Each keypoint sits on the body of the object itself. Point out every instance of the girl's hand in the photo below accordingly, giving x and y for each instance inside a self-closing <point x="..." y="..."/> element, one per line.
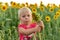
<point x="41" y="25"/>
<point x="31" y="35"/>
<point x="37" y="28"/>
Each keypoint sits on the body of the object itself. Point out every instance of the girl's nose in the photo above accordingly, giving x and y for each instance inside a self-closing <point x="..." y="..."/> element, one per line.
<point x="26" y="17"/>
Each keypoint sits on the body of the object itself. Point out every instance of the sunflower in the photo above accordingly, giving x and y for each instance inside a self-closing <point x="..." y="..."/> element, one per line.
<point x="58" y="13"/>
<point x="54" y="6"/>
<point x="35" y="5"/>
<point x="59" y="10"/>
<point x="55" y="17"/>
<point x="13" y="4"/>
<point x="6" y="4"/>
<point x="41" y="8"/>
<point x="18" y="5"/>
<point x="3" y="8"/>
<point x="48" y="6"/>
<point x="59" y="5"/>
<point x="51" y="9"/>
<point x="34" y="10"/>
<point x="31" y="6"/>
<point x="41" y="4"/>
<point x="26" y="4"/>
<point x="36" y="17"/>
<point x="23" y="5"/>
<point x="47" y="18"/>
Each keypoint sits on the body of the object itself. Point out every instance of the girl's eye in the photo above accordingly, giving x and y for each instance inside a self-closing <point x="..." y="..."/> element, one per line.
<point x="23" y="16"/>
<point x="28" y="15"/>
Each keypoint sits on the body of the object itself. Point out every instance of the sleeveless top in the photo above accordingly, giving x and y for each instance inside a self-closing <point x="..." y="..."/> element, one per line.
<point x="24" y="37"/>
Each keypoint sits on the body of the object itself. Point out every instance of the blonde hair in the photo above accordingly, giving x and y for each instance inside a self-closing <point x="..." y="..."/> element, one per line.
<point x="23" y="10"/>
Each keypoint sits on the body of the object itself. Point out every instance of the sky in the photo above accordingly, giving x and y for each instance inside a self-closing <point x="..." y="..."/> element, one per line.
<point x="45" y="2"/>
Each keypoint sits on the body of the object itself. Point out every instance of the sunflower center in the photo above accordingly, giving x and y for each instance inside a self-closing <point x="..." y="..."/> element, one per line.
<point x="14" y="3"/>
<point x="47" y="18"/>
<point x="3" y="7"/>
<point x="55" y="16"/>
<point x="11" y="2"/>
<point x="33" y="9"/>
<point x="57" y="13"/>
<point x="41" y="4"/>
<point x="51" y="9"/>
<point x="42" y="8"/>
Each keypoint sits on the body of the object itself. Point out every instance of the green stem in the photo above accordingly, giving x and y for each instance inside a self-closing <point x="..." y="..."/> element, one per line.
<point x="10" y="12"/>
<point x="34" y="37"/>
<point x="40" y="36"/>
<point x="10" y="34"/>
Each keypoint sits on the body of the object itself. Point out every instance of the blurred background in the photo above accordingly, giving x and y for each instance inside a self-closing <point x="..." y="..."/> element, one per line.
<point x="46" y="10"/>
<point x="45" y="2"/>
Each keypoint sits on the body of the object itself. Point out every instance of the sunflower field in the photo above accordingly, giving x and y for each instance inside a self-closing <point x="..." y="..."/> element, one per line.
<point x="9" y="20"/>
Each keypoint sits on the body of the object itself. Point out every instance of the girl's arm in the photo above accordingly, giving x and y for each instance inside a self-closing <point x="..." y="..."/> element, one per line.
<point x="28" y="31"/>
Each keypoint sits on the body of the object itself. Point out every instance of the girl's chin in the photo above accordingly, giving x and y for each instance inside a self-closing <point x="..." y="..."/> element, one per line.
<point x="27" y="22"/>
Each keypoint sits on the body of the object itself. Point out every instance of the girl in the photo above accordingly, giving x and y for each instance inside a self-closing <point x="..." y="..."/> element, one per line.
<point x="26" y="27"/>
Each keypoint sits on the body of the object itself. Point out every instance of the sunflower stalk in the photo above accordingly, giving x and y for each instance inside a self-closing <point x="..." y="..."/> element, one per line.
<point x="3" y="34"/>
<point x="38" y="33"/>
<point x="15" y="32"/>
<point x="37" y="18"/>
<point x="8" y="30"/>
<point x="34" y="37"/>
<point x="9" y="38"/>
<point x="49" y="31"/>
<point x="10" y="12"/>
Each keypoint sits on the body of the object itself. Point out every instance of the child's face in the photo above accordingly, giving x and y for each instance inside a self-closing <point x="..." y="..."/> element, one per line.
<point x="26" y="17"/>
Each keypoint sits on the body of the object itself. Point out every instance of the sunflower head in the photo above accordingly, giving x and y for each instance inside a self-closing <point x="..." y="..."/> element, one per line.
<point x="4" y="8"/>
<point x="36" y="17"/>
<point x="26" y="4"/>
<point x="31" y="6"/>
<point x="57" y="13"/>
<point x="41" y="8"/>
<point x="59" y="10"/>
<point x="48" y="6"/>
<point x="55" y="17"/>
<point x="41" y="4"/>
<point x="6" y="4"/>
<point x="23" y="5"/>
<point x="34" y="10"/>
<point x="13" y="4"/>
<point x="59" y="5"/>
<point x="18" y="5"/>
<point x="51" y="9"/>
<point x="35" y="5"/>
<point x="47" y="18"/>
<point x="53" y="6"/>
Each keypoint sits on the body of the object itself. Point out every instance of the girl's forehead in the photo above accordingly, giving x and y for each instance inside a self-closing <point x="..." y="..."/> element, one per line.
<point x="26" y="13"/>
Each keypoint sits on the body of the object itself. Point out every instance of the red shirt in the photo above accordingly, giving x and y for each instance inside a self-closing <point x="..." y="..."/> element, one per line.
<point x="21" y="36"/>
